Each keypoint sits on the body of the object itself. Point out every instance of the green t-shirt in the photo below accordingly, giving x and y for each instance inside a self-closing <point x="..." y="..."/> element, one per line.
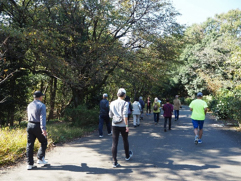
<point x="198" y="112"/>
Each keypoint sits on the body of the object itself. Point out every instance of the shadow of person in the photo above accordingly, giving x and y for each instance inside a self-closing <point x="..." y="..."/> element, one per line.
<point x="186" y="166"/>
<point x="85" y="168"/>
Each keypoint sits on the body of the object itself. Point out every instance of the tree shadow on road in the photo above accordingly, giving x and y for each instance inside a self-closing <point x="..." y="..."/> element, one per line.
<point x="85" y="168"/>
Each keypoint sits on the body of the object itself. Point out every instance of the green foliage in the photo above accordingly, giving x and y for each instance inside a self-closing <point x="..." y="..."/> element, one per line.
<point x="226" y="105"/>
<point x="188" y="100"/>
<point x="82" y="116"/>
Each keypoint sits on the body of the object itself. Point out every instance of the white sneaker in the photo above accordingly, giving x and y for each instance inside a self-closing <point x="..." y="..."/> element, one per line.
<point x="101" y="136"/>
<point x="29" y="167"/>
<point x="43" y="161"/>
<point x="110" y="133"/>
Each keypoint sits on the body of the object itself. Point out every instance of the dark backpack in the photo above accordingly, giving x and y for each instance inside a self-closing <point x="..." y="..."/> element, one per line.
<point x="155" y="107"/>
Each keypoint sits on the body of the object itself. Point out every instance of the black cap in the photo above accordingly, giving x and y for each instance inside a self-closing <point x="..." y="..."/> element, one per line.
<point x="38" y="94"/>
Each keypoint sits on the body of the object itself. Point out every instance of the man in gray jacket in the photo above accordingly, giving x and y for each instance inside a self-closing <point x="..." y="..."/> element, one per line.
<point x="36" y="129"/>
<point x="104" y="116"/>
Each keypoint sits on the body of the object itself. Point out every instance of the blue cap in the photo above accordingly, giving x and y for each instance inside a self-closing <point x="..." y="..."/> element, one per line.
<point x="199" y="94"/>
<point x="105" y="95"/>
<point x="38" y="94"/>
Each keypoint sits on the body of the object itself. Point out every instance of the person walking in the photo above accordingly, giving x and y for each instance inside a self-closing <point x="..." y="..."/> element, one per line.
<point x="136" y="112"/>
<point x="199" y="110"/>
<point x="148" y="108"/>
<point x="177" y="106"/>
<point x="128" y="100"/>
<point x="142" y="107"/>
<point x="36" y="128"/>
<point x="119" y="113"/>
<point x="104" y="115"/>
<point x="167" y="114"/>
<point x="156" y="110"/>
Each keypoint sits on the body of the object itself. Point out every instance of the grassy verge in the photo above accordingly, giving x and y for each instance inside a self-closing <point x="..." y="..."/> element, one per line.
<point x="13" y="140"/>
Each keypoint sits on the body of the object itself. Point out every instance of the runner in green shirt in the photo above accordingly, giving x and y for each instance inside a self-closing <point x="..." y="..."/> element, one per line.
<point x="199" y="110"/>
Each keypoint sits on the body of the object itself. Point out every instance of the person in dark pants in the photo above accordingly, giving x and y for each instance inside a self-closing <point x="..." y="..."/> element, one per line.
<point x="168" y="109"/>
<point x="156" y="110"/>
<point x="148" y="108"/>
<point x="36" y="129"/>
<point x="119" y="111"/>
<point x="104" y="116"/>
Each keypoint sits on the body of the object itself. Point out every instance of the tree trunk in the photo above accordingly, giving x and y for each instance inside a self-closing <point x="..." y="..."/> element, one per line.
<point x="53" y="89"/>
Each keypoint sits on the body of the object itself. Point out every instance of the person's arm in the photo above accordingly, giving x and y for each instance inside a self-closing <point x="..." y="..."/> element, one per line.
<point x="43" y="120"/>
<point x="191" y="109"/>
<point x="126" y="116"/>
<point x="205" y="110"/>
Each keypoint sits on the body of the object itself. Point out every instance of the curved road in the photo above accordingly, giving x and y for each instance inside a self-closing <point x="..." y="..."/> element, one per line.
<point x="158" y="155"/>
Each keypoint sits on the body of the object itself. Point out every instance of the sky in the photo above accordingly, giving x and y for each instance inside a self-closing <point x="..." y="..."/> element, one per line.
<point x="197" y="11"/>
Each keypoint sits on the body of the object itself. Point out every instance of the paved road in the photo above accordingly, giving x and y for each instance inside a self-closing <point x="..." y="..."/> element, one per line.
<point x="158" y="155"/>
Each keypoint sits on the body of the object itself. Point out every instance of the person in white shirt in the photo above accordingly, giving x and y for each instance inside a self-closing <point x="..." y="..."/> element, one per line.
<point x="136" y="112"/>
<point x="119" y="111"/>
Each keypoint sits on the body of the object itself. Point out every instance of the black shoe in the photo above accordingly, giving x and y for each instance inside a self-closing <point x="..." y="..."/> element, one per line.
<point x="170" y="129"/>
<point x="115" y="165"/>
<point x="138" y="125"/>
<point x="135" y="126"/>
<point x="165" y="130"/>
<point x="130" y="155"/>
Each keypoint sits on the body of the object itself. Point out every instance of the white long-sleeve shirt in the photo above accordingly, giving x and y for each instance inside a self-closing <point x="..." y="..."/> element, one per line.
<point x="116" y="110"/>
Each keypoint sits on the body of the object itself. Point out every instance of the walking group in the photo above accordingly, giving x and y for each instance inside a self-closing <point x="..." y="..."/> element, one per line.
<point x="120" y="111"/>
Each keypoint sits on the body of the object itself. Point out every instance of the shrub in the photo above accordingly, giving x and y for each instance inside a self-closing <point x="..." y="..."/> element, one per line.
<point x="226" y="105"/>
<point x="188" y="100"/>
<point x="81" y="116"/>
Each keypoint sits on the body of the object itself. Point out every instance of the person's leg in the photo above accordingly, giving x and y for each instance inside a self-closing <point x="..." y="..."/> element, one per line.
<point x="170" y="122"/>
<point x="138" y="120"/>
<point x="165" y="123"/>
<point x="30" y="144"/>
<point x="43" y="140"/>
<point x="177" y="114"/>
<point x="200" y="129"/>
<point x="134" y="119"/>
<point x="124" y="135"/>
<point x="101" y="122"/>
<point x="157" y="117"/>
<point x="108" y="125"/>
<point x="115" y="139"/>
<point x="195" y="126"/>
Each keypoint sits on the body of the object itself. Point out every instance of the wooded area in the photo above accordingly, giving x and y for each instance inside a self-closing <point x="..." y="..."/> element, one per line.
<point x="76" y="50"/>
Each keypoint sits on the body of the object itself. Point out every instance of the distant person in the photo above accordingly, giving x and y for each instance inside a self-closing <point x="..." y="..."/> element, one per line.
<point x="168" y="109"/>
<point x="199" y="110"/>
<point x="136" y="112"/>
<point x="177" y="106"/>
<point x="104" y="116"/>
<point x="142" y="106"/>
<point x="156" y="110"/>
<point x="36" y="128"/>
<point x="119" y="113"/>
<point x="128" y="100"/>
<point x="160" y="105"/>
<point x="148" y="108"/>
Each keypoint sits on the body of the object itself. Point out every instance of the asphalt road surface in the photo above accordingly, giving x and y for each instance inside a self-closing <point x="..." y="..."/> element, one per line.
<point x="158" y="155"/>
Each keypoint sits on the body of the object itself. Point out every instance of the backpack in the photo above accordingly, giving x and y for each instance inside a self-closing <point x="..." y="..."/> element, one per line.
<point x="155" y="107"/>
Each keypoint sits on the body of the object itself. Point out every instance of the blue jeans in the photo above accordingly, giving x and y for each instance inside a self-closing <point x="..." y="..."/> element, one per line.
<point x="156" y="117"/>
<point x="176" y="113"/>
<point x="102" y="119"/>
